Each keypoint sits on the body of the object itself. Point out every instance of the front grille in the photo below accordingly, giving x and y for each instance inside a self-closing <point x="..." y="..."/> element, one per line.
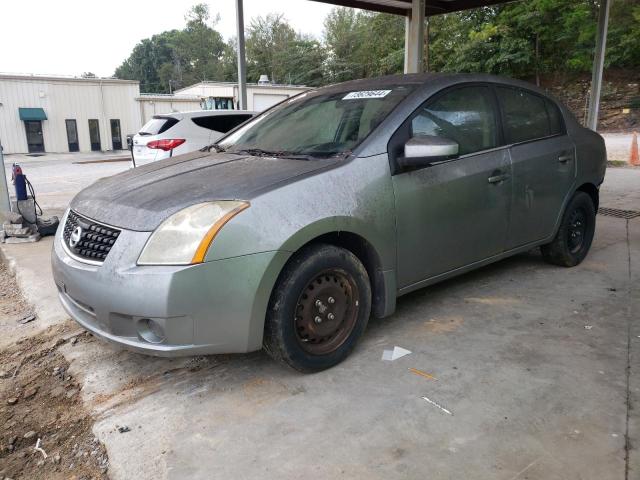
<point x="616" y="212"/>
<point x="88" y="239"/>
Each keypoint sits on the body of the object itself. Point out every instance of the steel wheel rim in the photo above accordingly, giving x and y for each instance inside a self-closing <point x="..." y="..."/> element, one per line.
<point x="576" y="230"/>
<point x="326" y="312"/>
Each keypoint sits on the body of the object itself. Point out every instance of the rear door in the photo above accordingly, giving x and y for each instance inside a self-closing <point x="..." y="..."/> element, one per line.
<point x="453" y="213"/>
<point x="543" y="163"/>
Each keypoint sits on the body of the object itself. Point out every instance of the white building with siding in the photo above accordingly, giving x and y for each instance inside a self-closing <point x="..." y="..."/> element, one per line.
<point x="69" y="114"/>
<point x="59" y="114"/>
<point x="158" y="104"/>
<point x="224" y="94"/>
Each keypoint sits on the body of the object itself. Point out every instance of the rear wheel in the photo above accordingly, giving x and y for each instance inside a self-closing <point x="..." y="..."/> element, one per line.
<point x="573" y="240"/>
<point x="318" y="309"/>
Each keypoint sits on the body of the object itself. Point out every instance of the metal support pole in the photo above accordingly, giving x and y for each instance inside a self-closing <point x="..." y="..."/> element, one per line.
<point x="414" y="38"/>
<point x="5" y="204"/>
<point x="242" y="65"/>
<point x="598" y="64"/>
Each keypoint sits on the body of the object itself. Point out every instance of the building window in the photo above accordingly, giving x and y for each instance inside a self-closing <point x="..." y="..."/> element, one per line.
<point x="94" y="134"/>
<point x="72" y="135"/>
<point x="217" y="103"/>
<point x="116" y="136"/>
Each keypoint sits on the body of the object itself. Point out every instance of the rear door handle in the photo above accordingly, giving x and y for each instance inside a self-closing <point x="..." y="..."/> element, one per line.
<point x="498" y="178"/>
<point x="565" y="158"/>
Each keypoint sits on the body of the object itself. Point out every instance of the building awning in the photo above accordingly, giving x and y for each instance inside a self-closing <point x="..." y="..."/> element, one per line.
<point x="32" y="114"/>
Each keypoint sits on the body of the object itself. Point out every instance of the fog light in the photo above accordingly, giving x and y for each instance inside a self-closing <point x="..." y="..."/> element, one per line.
<point x="151" y="330"/>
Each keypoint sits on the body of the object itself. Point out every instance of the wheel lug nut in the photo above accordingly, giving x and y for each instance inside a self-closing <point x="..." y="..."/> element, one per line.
<point x="331" y="316"/>
<point x="331" y="300"/>
<point x="317" y="320"/>
<point x="318" y="303"/>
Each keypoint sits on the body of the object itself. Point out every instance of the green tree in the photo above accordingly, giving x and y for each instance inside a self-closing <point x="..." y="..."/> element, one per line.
<point x="177" y="58"/>
<point x="200" y="47"/>
<point x="362" y="44"/>
<point x="273" y="48"/>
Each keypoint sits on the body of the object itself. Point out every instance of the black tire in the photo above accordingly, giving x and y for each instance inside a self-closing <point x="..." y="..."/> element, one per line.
<point x="573" y="240"/>
<point x="336" y="279"/>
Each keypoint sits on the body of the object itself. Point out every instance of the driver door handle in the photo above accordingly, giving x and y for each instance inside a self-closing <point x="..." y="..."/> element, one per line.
<point x="565" y="158"/>
<point x="498" y="178"/>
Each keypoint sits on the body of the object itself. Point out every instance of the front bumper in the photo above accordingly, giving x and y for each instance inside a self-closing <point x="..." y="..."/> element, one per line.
<point x="213" y="307"/>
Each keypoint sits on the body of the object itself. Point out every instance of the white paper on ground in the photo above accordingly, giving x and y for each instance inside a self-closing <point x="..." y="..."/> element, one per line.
<point x="395" y="354"/>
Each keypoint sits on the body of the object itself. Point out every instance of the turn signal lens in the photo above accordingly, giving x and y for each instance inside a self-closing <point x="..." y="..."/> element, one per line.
<point x="166" y="144"/>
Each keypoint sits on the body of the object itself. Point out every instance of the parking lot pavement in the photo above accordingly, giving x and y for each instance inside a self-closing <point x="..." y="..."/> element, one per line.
<point x="58" y="177"/>
<point x="536" y="364"/>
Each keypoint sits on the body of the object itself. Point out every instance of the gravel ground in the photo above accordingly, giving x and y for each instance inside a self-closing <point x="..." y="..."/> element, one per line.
<point x="40" y="403"/>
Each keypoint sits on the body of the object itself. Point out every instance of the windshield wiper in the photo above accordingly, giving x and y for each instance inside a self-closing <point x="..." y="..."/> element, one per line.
<point x="213" y="146"/>
<point x="258" y="152"/>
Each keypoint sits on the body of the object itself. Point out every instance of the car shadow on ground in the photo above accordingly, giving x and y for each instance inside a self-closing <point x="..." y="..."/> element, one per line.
<point x="116" y="377"/>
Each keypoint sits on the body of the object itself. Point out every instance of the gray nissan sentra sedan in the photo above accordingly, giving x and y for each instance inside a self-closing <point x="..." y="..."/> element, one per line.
<point x="301" y="223"/>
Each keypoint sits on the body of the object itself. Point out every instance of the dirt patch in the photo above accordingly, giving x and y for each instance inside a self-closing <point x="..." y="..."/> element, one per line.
<point x="39" y="400"/>
<point x="494" y="301"/>
<point x="443" y="325"/>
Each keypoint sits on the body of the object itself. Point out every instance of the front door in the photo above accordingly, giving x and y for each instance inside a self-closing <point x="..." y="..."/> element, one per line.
<point x="116" y="137"/>
<point x="544" y="166"/>
<point x="72" y="135"/>
<point x="454" y="213"/>
<point x="35" y="139"/>
<point x="94" y="135"/>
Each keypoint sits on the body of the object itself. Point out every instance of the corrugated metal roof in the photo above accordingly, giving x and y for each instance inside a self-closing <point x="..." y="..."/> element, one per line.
<point x="53" y="78"/>
<point x="402" y="7"/>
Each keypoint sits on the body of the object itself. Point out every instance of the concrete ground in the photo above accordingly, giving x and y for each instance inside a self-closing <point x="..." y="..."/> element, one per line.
<point x="58" y="177"/>
<point x="538" y="365"/>
<point x="618" y="145"/>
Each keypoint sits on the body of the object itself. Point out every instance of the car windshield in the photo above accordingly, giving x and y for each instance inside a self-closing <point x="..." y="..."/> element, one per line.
<point x="317" y="125"/>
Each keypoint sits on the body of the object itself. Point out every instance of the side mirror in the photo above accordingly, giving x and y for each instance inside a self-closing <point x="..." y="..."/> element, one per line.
<point x="424" y="150"/>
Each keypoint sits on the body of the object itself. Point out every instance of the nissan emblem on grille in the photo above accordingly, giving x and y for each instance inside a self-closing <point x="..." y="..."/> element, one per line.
<point x="75" y="236"/>
<point x="88" y="239"/>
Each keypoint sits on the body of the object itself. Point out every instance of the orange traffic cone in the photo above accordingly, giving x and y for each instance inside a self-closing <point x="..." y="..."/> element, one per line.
<point x="634" y="159"/>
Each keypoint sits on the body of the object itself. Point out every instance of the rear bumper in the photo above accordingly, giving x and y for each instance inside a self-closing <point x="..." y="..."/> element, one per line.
<point x="144" y="155"/>
<point x="214" y="307"/>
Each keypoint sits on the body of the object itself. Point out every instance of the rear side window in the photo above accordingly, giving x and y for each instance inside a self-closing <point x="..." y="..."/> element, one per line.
<point x="158" y="125"/>
<point x="220" y="123"/>
<point x="556" y="125"/>
<point x="524" y="115"/>
<point x="464" y="115"/>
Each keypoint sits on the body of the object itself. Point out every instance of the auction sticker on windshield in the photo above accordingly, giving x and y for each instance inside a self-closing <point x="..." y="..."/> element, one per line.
<point x="366" y="94"/>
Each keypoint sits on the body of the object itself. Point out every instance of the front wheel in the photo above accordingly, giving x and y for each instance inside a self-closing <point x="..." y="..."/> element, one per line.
<point x="319" y="308"/>
<point x="573" y="240"/>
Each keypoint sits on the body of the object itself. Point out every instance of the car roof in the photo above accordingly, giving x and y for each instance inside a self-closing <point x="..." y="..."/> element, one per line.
<point x="424" y="79"/>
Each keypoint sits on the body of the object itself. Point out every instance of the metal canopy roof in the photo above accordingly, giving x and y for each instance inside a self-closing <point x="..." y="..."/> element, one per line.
<point x="403" y="7"/>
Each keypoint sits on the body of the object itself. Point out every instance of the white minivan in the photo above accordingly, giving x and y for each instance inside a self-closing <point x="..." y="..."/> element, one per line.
<point x="182" y="132"/>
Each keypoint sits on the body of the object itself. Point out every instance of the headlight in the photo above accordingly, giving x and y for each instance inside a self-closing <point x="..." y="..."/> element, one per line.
<point x="184" y="238"/>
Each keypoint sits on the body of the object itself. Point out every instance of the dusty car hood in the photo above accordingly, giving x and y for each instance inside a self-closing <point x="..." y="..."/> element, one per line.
<point x="140" y="199"/>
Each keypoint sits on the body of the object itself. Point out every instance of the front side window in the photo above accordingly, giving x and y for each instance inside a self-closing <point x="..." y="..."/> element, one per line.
<point x="524" y="115"/>
<point x="318" y="125"/>
<point x="464" y="115"/>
